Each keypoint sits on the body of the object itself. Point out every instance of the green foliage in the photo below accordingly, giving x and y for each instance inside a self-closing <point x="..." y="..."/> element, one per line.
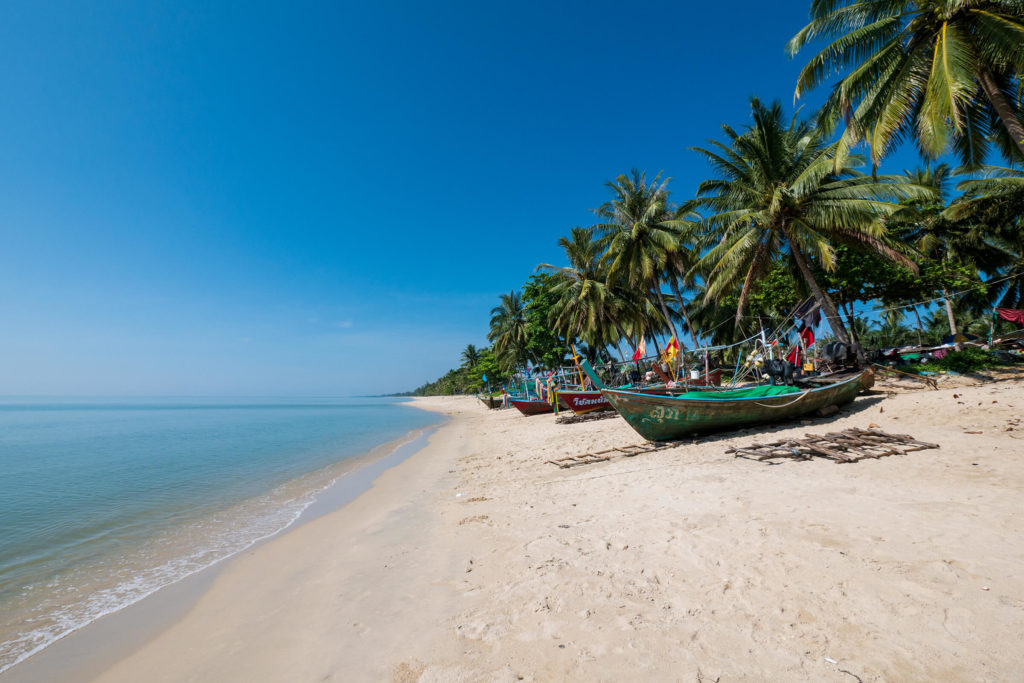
<point x="943" y="73"/>
<point x="508" y="331"/>
<point x="971" y="359"/>
<point x="543" y="346"/>
<point x="467" y="379"/>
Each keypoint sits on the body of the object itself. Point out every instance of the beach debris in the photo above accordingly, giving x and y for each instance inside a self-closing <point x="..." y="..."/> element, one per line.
<point x="570" y="418"/>
<point x="849" y="445"/>
<point x="830" y="660"/>
<point x="629" y="451"/>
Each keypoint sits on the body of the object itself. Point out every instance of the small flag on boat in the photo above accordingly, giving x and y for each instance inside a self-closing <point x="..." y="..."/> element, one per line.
<point x="671" y="349"/>
<point x="641" y="350"/>
<point x="485" y="376"/>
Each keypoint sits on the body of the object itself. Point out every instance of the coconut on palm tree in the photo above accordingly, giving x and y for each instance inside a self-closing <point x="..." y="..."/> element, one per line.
<point x="777" y="196"/>
<point x="943" y="72"/>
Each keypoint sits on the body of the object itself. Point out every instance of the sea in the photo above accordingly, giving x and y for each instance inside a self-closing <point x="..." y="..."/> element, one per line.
<point x="103" y="502"/>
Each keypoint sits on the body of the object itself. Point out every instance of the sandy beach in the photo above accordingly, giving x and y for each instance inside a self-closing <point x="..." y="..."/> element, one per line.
<point x="476" y="560"/>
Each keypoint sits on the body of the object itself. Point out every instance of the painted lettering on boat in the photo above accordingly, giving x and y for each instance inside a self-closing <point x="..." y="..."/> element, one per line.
<point x="663" y="413"/>
<point x="590" y="401"/>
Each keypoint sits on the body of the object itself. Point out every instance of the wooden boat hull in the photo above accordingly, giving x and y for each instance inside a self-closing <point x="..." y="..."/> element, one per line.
<point x="531" y="407"/>
<point x="664" y="418"/>
<point x="581" y="402"/>
<point x="491" y="402"/>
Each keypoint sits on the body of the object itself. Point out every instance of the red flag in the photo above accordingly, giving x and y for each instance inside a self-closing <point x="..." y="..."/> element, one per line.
<point x="807" y="334"/>
<point x="641" y="350"/>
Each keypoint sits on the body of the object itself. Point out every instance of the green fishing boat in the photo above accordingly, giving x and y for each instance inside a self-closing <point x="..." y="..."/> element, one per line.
<point x="664" y="418"/>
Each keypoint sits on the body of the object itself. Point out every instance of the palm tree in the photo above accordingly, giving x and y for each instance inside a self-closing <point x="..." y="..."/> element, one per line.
<point x="946" y="72"/>
<point x="994" y="205"/>
<point x="777" y="196"/>
<point x="957" y="250"/>
<point x="470" y="356"/>
<point x="508" y="330"/>
<point x="638" y="235"/>
<point x="890" y="332"/>
<point x="587" y="307"/>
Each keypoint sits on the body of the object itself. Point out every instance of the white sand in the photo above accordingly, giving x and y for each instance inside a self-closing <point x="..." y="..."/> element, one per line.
<point x="476" y="561"/>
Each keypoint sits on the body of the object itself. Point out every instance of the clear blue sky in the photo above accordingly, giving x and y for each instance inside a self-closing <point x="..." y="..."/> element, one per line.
<point x="289" y="199"/>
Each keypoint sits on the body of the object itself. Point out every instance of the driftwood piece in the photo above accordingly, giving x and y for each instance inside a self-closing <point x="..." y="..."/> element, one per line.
<point x="847" y="446"/>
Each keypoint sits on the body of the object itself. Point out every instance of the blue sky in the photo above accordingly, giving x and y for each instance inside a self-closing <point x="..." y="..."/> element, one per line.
<point x="327" y="199"/>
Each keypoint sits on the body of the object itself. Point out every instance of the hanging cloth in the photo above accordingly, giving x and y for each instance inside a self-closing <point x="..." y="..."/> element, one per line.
<point x="1011" y="314"/>
<point x="809" y="313"/>
<point x="807" y="335"/>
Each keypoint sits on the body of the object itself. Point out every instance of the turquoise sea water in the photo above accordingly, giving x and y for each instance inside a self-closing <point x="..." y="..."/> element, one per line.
<point x="101" y="502"/>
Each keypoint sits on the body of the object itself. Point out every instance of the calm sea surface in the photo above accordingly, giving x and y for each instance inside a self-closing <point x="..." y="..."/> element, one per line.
<point x="102" y="503"/>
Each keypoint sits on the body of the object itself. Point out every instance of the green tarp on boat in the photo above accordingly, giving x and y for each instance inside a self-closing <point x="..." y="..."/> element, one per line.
<point x="753" y="392"/>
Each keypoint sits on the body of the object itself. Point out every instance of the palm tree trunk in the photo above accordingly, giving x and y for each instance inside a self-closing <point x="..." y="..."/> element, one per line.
<point x="826" y="303"/>
<point x="952" y="320"/>
<point x="622" y="356"/>
<point x="848" y="308"/>
<point x="682" y="310"/>
<point x="1003" y="108"/>
<point x="622" y="335"/>
<point x="664" y="309"/>
<point x="920" y="327"/>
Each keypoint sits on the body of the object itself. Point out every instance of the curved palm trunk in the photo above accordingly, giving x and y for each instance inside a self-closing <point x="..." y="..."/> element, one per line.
<point x="1003" y="108"/>
<point x="622" y="335"/>
<point x="826" y="303"/>
<point x="848" y="308"/>
<point x="682" y="310"/>
<point x="952" y="320"/>
<point x="748" y="282"/>
<point x="618" y="347"/>
<point x="664" y="309"/>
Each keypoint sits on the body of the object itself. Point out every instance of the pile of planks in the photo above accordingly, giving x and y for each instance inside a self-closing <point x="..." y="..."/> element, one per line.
<point x="568" y="417"/>
<point x="849" y="445"/>
<point x="601" y="456"/>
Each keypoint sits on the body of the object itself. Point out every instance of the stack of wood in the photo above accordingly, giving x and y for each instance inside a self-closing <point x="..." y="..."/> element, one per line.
<point x="850" y="445"/>
<point x="601" y="456"/>
<point x="568" y="418"/>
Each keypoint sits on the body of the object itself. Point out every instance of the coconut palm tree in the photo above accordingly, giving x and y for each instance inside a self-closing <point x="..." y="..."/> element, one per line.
<point x="957" y="251"/>
<point x="588" y="308"/>
<point x="776" y="196"/>
<point x="508" y="331"/>
<point x="994" y="205"/>
<point x="637" y="233"/>
<point x="945" y="72"/>
<point x="470" y="356"/>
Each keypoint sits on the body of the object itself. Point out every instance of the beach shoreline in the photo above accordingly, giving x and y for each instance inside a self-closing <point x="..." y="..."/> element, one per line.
<point x="91" y="648"/>
<point x="475" y="559"/>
